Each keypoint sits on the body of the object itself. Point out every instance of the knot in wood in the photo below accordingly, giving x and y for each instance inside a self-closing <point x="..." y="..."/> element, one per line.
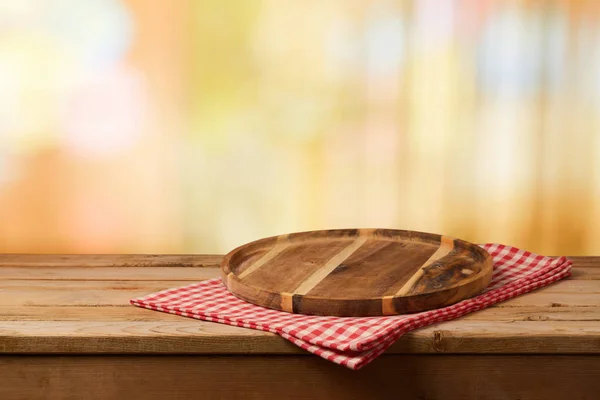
<point x="438" y="341"/>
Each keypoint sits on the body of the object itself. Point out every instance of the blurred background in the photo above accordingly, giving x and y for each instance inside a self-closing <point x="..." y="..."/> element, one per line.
<point x="145" y="126"/>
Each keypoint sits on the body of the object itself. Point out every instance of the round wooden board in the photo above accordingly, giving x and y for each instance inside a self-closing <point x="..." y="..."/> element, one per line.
<point x="352" y="272"/>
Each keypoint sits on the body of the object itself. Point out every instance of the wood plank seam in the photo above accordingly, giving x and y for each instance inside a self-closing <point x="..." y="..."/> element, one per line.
<point x="281" y="245"/>
<point x="313" y="280"/>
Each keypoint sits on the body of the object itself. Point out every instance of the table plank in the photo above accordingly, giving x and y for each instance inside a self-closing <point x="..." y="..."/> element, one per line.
<point x="566" y="286"/>
<point x="110" y="260"/>
<point x="60" y="273"/>
<point x="130" y="313"/>
<point x="584" y="273"/>
<point x="197" y="337"/>
<point x="584" y="267"/>
<point x="80" y="304"/>
<point x="585" y="261"/>
<point x="81" y="293"/>
<point x="568" y="293"/>
<point x="162" y="259"/>
<point x="206" y="271"/>
<point x="456" y="377"/>
<point x="135" y="267"/>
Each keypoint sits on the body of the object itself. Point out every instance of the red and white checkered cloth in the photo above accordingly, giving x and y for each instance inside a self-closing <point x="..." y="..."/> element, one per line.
<point x="356" y="341"/>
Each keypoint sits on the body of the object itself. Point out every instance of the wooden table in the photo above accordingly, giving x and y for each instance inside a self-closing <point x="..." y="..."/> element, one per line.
<point x="67" y="331"/>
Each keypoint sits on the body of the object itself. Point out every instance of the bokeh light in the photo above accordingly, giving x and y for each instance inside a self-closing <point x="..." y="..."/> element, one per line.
<point x="195" y="126"/>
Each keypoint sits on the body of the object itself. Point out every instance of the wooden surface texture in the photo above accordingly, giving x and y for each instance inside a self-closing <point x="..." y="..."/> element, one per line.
<point x="450" y="377"/>
<point x="80" y="304"/>
<point x="67" y="331"/>
<point x="356" y="272"/>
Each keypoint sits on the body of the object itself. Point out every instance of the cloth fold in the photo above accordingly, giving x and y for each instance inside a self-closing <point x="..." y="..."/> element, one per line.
<point x="354" y="342"/>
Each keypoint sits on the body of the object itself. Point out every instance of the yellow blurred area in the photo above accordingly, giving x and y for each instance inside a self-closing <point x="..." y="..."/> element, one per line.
<point x="196" y="126"/>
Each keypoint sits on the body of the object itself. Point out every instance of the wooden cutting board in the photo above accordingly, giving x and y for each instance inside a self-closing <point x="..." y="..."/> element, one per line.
<point x="351" y="272"/>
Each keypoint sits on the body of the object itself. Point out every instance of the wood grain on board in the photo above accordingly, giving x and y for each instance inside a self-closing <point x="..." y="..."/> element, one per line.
<point x="352" y="272"/>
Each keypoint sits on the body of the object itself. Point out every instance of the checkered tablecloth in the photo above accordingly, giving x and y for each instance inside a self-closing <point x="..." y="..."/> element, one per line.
<point x="349" y="341"/>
